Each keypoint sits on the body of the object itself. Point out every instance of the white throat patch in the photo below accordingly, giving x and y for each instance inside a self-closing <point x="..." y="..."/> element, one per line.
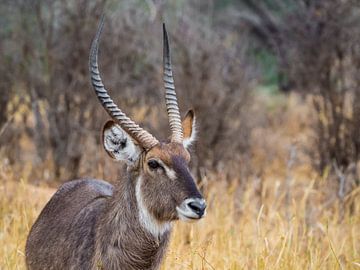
<point x="147" y="220"/>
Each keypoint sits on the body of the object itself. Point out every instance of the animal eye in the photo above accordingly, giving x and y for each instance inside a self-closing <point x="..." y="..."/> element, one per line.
<point x="153" y="164"/>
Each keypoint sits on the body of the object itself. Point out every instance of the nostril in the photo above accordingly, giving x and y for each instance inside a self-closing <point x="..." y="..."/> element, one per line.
<point x="197" y="206"/>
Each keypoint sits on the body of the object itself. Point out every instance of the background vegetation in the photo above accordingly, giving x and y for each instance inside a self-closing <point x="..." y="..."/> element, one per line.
<point x="275" y="86"/>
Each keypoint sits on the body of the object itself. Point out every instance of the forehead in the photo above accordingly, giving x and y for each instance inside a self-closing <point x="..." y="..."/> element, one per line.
<point x="168" y="152"/>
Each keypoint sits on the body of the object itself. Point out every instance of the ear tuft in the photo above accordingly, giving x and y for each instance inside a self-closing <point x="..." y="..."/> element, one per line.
<point x="118" y="144"/>
<point x="189" y="128"/>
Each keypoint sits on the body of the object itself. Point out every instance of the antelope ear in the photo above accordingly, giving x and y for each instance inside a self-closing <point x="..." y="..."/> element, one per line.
<point x="118" y="144"/>
<point x="189" y="128"/>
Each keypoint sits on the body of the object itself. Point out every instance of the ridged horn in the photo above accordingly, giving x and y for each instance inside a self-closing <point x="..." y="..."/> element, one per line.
<point x="144" y="138"/>
<point x="170" y="94"/>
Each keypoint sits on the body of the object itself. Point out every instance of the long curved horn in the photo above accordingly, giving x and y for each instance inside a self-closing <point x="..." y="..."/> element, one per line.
<point x="144" y="138"/>
<point x="170" y="94"/>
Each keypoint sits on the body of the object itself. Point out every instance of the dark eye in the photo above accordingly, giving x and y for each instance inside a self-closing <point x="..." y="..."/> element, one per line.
<point x="153" y="164"/>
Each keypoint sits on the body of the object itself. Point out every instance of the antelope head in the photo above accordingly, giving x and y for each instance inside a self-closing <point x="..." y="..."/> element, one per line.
<point x="165" y="188"/>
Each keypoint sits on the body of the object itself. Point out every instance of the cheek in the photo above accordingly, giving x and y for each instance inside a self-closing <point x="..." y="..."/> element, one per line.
<point x="160" y="197"/>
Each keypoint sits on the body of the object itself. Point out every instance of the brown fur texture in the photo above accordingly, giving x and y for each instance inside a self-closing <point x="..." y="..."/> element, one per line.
<point x="88" y="224"/>
<point x="128" y="246"/>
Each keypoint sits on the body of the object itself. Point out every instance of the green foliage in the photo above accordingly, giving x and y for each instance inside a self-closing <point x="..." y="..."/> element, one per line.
<point x="221" y="4"/>
<point x="267" y="62"/>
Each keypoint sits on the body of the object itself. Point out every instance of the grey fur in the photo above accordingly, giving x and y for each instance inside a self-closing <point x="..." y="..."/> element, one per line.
<point x="89" y="224"/>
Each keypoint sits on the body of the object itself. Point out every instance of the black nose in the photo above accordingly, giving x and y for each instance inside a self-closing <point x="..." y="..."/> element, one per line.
<point x="198" y="206"/>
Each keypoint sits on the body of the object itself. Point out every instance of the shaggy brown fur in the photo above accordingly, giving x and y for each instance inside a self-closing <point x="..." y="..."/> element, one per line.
<point x="88" y="224"/>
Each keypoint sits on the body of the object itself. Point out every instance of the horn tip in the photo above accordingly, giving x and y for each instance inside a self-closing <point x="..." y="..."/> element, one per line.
<point x="166" y="47"/>
<point x="165" y="34"/>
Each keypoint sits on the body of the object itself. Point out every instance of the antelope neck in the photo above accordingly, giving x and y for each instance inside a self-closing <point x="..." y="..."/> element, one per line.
<point x="146" y="219"/>
<point x="128" y="234"/>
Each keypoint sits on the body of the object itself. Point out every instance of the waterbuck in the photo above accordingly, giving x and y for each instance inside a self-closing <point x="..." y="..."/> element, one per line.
<point x="90" y="224"/>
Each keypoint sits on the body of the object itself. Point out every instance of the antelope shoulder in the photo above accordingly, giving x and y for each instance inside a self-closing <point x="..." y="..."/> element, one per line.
<point x="67" y="223"/>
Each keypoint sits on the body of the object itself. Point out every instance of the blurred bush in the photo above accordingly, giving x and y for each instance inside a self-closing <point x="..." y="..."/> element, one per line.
<point x="45" y="47"/>
<point x="316" y="43"/>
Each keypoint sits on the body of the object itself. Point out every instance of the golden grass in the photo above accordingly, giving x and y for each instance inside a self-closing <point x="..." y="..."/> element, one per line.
<point x="20" y="204"/>
<point x="242" y="230"/>
<point x="264" y="238"/>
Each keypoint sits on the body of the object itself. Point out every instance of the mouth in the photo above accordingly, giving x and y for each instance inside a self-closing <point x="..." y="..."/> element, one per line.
<point x="191" y="209"/>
